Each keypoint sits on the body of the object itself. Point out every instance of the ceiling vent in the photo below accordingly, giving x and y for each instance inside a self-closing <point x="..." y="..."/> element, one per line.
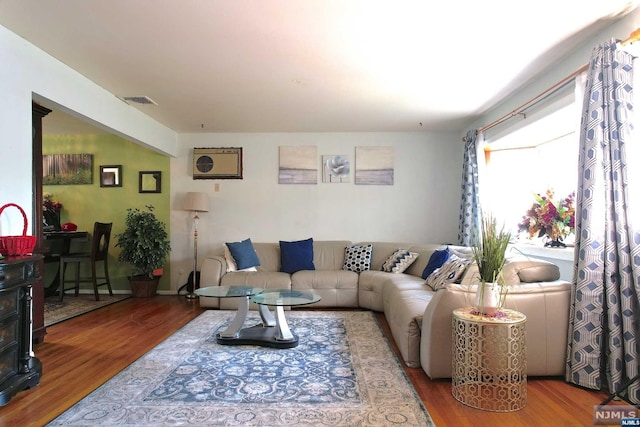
<point x="144" y="100"/>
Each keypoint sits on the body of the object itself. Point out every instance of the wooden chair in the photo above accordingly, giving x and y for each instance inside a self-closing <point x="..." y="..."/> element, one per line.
<point x="99" y="253"/>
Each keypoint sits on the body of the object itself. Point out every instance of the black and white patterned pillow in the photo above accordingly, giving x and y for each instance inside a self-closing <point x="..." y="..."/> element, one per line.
<point x="357" y="258"/>
<point x="450" y="271"/>
<point x="399" y="261"/>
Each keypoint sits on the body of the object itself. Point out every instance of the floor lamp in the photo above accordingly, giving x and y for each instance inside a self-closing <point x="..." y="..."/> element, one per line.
<point x="195" y="202"/>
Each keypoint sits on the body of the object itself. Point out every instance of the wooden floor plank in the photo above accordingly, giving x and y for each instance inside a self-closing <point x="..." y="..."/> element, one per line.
<point x="80" y="354"/>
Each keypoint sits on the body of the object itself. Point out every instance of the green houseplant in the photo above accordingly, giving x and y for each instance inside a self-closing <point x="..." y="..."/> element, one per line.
<point x="489" y="252"/>
<point x="145" y="246"/>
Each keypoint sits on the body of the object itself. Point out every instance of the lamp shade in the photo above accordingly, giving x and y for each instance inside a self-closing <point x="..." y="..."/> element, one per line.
<point x="196" y="201"/>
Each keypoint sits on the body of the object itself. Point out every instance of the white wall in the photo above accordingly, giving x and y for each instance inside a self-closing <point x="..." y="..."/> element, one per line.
<point x="421" y="206"/>
<point x="28" y="73"/>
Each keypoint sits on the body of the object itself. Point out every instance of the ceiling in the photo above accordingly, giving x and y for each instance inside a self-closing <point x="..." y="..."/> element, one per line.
<point x="310" y="65"/>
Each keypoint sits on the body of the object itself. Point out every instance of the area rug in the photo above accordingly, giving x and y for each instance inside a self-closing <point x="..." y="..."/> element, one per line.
<point x="343" y="373"/>
<point x="72" y="306"/>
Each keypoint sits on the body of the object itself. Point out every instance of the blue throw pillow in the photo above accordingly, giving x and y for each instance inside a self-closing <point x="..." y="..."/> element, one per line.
<point x="296" y="256"/>
<point x="243" y="254"/>
<point x="438" y="258"/>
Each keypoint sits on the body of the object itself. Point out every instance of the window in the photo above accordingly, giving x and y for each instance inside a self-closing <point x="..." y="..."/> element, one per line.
<point x="540" y="155"/>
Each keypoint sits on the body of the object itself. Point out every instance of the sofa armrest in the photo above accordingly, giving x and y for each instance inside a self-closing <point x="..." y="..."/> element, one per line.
<point x="211" y="270"/>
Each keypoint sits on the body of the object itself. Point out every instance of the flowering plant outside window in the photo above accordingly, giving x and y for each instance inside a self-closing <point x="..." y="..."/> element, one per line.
<point x="546" y="217"/>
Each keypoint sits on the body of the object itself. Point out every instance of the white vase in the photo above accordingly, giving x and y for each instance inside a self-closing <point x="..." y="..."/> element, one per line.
<point x="487" y="298"/>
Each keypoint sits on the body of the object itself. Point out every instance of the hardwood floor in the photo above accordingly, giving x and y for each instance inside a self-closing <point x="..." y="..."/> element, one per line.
<point x="80" y="354"/>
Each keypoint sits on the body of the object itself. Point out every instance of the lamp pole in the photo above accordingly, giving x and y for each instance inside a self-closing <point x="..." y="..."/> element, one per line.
<point x="195" y="202"/>
<point x="192" y="294"/>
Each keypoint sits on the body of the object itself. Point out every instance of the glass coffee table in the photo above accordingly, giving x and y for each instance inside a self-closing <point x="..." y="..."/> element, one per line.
<point x="272" y="332"/>
<point x="281" y="336"/>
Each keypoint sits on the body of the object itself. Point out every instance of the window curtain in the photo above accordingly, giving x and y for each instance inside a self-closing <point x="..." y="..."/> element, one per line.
<point x="469" y="220"/>
<point x="604" y="325"/>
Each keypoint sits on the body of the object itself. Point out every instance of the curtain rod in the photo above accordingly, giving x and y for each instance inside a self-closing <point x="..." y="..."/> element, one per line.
<point x="633" y="37"/>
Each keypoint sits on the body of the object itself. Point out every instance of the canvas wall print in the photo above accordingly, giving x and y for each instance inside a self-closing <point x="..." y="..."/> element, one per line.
<point x="335" y="168"/>
<point x="298" y="165"/>
<point x="67" y="169"/>
<point x="374" y="166"/>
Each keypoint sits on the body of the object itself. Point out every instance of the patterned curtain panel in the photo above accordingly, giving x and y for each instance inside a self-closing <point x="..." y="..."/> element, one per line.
<point x="470" y="205"/>
<point x="604" y="330"/>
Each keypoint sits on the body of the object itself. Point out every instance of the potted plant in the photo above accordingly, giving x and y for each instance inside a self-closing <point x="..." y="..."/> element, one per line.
<point x="145" y="246"/>
<point x="489" y="254"/>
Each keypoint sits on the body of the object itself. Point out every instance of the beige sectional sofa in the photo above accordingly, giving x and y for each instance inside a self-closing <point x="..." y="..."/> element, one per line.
<point x="419" y="317"/>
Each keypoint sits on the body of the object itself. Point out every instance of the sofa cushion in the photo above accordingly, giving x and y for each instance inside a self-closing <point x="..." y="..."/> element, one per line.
<point x="231" y="263"/>
<point x="436" y="260"/>
<point x="450" y="271"/>
<point x="357" y="258"/>
<point x="399" y="261"/>
<point x="337" y="288"/>
<point x="382" y="250"/>
<point x="403" y="306"/>
<point x="329" y="254"/>
<point x="243" y="254"/>
<point x="296" y="256"/>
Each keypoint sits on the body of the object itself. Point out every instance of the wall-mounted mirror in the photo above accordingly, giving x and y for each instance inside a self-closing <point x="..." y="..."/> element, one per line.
<point x="150" y="182"/>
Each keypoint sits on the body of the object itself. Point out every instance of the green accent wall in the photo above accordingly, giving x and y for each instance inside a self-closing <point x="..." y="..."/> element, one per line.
<point x="85" y="204"/>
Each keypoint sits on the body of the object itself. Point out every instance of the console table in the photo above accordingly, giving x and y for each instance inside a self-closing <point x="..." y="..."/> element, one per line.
<point x="489" y="360"/>
<point x="19" y="368"/>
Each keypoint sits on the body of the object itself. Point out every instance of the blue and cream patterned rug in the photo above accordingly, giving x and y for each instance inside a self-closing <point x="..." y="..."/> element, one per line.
<point x="343" y="373"/>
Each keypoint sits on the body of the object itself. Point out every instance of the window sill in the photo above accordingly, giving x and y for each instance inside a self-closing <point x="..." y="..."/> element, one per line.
<point x="537" y="250"/>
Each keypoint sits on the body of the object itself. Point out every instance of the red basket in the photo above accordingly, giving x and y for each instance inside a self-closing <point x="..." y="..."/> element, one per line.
<point x="17" y="245"/>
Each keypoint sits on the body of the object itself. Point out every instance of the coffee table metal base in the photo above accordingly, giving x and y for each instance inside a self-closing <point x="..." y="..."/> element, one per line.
<point x="272" y="332"/>
<point x="264" y="336"/>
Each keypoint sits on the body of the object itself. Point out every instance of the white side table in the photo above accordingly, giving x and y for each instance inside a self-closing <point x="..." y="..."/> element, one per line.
<point x="489" y="360"/>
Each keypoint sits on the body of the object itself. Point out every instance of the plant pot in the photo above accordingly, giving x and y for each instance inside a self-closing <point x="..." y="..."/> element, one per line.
<point x="143" y="287"/>
<point x="488" y="299"/>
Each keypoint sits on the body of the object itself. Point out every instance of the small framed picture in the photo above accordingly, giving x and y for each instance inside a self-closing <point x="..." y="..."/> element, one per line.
<point x="150" y="182"/>
<point x="217" y="163"/>
<point x="111" y="176"/>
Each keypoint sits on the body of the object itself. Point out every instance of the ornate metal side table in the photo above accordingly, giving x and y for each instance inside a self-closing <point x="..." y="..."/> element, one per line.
<point x="489" y="360"/>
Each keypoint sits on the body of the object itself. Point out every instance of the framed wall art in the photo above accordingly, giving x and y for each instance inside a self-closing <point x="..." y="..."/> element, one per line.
<point x="111" y="176"/>
<point x="335" y="168"/>
<point x="298" y="165"/>
<point x="67" y="169"/>
<point x="217" y="163"/>
<point x="374" y="166"/>
<point x="150" y="182"/>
